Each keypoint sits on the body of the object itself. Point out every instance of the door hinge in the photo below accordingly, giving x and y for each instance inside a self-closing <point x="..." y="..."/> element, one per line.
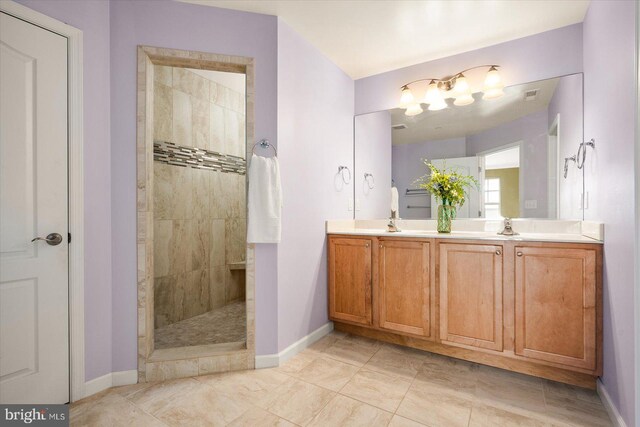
<point x="68" y="237"/>
<point x="479" y="168"/>
<point x="479" y="214"/>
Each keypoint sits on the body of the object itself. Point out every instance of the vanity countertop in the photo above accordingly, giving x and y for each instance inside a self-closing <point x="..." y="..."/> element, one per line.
<point x="541" y="231"/>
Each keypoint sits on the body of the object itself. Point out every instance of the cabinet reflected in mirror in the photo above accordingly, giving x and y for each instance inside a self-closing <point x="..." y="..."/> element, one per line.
<point x="515" y="146"/>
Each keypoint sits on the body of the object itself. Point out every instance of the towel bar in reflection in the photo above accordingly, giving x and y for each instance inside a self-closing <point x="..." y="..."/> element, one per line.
<point x="416" y="192"/>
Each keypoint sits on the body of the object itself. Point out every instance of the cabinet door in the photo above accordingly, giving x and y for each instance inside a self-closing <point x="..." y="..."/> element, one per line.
<point x="471" y="295"/>
<point x="556" y="305"/>
<point x="350" y="280"/>
<point x="404" y="295"/>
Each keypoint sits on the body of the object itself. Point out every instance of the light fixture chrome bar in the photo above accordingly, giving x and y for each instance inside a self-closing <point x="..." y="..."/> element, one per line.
<point x="450" y="78"/>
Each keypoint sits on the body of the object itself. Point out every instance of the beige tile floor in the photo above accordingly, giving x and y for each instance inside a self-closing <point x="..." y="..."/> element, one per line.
<point x="349" y="381"/>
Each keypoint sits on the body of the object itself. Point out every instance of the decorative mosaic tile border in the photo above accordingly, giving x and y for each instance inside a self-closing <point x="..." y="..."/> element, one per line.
<point x="197" y="158"/>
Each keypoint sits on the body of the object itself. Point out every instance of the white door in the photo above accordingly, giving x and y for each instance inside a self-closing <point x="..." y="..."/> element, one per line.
<point x="34" y="325"/>
<point x="472" y="207"/>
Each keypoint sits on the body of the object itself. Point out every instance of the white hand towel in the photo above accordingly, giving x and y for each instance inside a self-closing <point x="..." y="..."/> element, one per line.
<point x="265" y="200"/>
<point x="394" y="199"/>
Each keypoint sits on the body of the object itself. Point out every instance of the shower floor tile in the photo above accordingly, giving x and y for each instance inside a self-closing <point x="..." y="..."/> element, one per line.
<point x="221" y="325"/>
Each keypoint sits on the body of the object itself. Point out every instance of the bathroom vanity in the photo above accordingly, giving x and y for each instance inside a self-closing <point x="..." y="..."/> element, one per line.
<point x="530" y="303"/>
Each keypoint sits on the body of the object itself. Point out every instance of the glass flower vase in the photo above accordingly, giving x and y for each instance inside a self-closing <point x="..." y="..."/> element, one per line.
<point x="446" y="213"/>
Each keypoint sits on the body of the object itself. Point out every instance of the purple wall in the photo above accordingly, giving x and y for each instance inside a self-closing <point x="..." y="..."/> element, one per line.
<point x="568" y="103"/>
<point x="372" y="145"/>
<point x="408" y="165"/>
<point x="541" y="56"/>
<point x="315" y="130"/>
<point x="610" y="114"/>
<point x="190" y="27"/>
<point x="532" y="131"/>
<point x="92" y="17"/>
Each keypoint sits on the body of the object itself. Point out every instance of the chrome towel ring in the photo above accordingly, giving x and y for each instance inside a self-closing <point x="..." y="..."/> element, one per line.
<point x="566" y="164"/>
<point x="341" y="171"/>
<point x="582" y="152"/>
<point x="368" y="178"/>
<point x="264" y="143"/>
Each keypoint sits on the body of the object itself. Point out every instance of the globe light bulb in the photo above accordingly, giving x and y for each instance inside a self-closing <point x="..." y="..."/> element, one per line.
<point x="438" y="105"/>
<point x="414" y="110"/>
<point x="462" y="100"/>
<point x="492" y="79"/>
<point x="462" y="86"/>
<point x="406" y="98"/>
<point x="433" y="93"/>
<point x="493" y="85"/>
<point x="493" y="93"/>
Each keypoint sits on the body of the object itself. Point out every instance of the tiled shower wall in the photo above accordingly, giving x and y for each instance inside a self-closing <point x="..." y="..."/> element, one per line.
<point x="199" y="214"/>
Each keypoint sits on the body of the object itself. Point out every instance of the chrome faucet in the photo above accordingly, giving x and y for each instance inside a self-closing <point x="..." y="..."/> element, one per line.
<point x="508" y="230"/>
<point x="392" y="227"/>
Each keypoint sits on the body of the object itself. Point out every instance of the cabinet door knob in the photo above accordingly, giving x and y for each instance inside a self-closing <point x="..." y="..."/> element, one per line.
<point x="366" y="245"/>
<point x="498" y="252"/>
<point x="519" y="253"/>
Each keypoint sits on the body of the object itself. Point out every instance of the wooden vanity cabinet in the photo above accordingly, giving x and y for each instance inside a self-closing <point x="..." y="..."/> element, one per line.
<point x="556" y="305"/>
<point x="470" y="284"/>
<point x="404" y="296"/>
<point x="350" y="281"/>
<point x="530" y="307"/>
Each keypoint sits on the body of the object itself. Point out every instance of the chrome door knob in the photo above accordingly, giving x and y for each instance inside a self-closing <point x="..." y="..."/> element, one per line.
<point x="53" y="239"/>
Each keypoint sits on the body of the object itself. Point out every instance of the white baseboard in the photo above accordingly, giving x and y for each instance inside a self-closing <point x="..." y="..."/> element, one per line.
<point x="124" y="378"/>
<point x="267" y="361"/>
<point x="112" y="379"/>
<point x="273" y="360"/>
<point x="615" y="416"/>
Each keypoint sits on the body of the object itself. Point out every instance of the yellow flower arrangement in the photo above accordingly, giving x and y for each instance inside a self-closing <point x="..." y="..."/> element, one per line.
<point x="447" y="185"/>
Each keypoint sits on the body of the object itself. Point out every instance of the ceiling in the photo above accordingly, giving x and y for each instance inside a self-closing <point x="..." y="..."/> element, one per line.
<point x="457" y="122"/>
<point x="367" y="37"/>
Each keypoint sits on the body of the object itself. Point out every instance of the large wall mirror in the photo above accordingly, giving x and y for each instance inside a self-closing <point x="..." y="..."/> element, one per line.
<point x="520" y="147"/>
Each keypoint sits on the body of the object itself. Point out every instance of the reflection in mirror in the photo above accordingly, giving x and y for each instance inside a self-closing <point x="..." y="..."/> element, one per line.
<point x="199" y="245"/>
<point x="515" y="146"/>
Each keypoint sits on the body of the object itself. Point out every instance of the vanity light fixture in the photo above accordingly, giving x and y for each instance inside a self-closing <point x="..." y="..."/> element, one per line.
<point x="456" y="87"/>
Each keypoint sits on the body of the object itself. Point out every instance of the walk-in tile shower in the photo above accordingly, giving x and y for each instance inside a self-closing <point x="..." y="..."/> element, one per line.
<point x="199" y="205"/>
